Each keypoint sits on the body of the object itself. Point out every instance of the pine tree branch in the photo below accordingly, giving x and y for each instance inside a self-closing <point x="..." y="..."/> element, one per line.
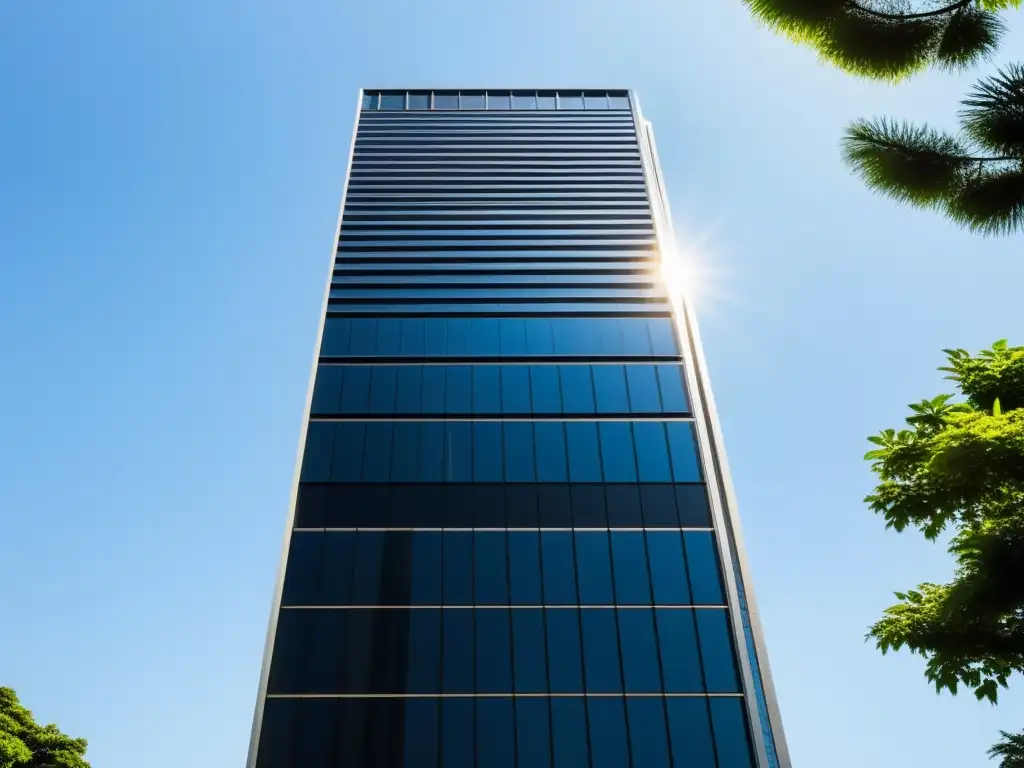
<point x="903" y="16"/>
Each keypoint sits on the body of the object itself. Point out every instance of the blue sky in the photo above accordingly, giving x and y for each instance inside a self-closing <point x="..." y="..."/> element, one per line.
<point x="169" y="182"/>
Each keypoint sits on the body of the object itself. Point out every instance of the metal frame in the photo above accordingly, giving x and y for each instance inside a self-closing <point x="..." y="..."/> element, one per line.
<point x="268" y="648"/>
<point x="716" y="467"/>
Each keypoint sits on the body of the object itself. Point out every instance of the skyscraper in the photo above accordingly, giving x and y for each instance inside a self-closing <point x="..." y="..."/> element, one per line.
<point x="512" y="540"/>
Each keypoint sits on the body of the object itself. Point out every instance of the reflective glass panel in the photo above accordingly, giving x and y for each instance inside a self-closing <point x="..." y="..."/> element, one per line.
<point x="595" y="100"/>
<point x="370" y="100"/>
<point x="497" y="100"/>
<point x="570" y="100"/>
<point x="446" y="100"/>
<point x="524" y="101"/>
<point x="392" y="101"/>
<point x="419" y="101"/>
<point x="473" y="100"/>
<point x="607" y="732"/>
<point x="546" y="100"/>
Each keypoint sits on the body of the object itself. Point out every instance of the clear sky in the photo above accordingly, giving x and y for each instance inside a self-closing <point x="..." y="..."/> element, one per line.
<point x="169" y="182"/>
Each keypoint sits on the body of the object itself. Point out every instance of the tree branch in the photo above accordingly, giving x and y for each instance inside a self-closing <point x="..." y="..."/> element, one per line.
<point x="922" y="15"/>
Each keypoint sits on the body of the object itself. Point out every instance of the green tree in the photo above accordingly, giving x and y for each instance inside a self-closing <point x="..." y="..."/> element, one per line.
<point x="975" y="177"/>
<point x="26" y="744"/>
<point x="958" y="468"/>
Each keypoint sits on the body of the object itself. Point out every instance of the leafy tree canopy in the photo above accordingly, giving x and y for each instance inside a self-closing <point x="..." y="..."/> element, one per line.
<point x="890" y="39"/>
<point x="976" y="178"/>
<point x="959" y="467"/>
<point x="26" y="744"/>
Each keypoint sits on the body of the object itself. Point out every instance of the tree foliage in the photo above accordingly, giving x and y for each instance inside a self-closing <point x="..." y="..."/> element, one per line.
<point x="26" y="744"/>
<point x="958" y="467"/>
<point x="976" y="178"/>
<point x="890" y="39"/>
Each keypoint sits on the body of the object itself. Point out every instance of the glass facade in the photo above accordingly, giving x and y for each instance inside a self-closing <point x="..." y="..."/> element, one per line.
<point x="504" y="549"/>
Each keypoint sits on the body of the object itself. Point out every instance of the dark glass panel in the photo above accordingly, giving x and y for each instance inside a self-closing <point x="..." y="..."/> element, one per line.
<point x="577" y="389"/>
<point x="608" y="740"/>
<point x="446" y="100"/>
<point x="460" y="336"/>
<point x="458" y="568"/>
<point x="668" y="569"/>
<point x="432" y="452"/>
<point x="547" y="397"/>
<point x="564" y="652"/>
<point x="512" y="338"/>
<point x="519" y="461"/>
<point x="659" y="506"/>
<point x="495" y="728"/>
<point x="533" y="732"/>
<point x="338" y="563"/>
<point x="720" y="673"/>
<point x="422" y="724"/>
<point x="570" y="100"/>
<point x="690" y="732"/>
<point x="588" y="506"/>
<point x="314" y="733"/>
<point x="489" y="506"/>
<point x="370" y="100"/>
<point x="554" y="504"/>
<point x="551" y="453"/>
<point x="558" y="568"/>
<point x="694" y="509"/>
<point x="377" y="453"/>
<point x="487" y="453"/>
<point x="458" y="650"/>
<point x="639" y="650"/>
<point x="291" y="650"/>
<point x="361" y="644"/>
<point x="584" y="461"/>
<point x="529" y="657"/>
<point x="383" y="388"/>
<point x="435" y="333"/>
<point x="302" y="575"/>
<point x="647" y="732"/>
<point x="524" y="567"/>
<point x="539" y="338"/>
<point x="367" y="575"/>
<point x="327" y="389"/>
<point x="673" y="395"/>
<point x="643" y="389"/>
<point x="610" y="388"/>
<point x="434" y="389"/>
<point x="419" y="101"/>
<point x="459" y="445"/>
<point x="515" y="389"/>
<point x="337" y="331"/>
<point x="410" y="385"/>
<point x="623" y="506"/>
<point x="732" y="738"/>
<point x="521" y="502"/>
<point x="318" y="453"/>
<point x="702" y="566"/>
<point x="458" y="749"/>
<point x="569" y="733"/>
<point x="458" y="506"/>
<point x="311" y="504"/>
<point x="493" y="650"/>
<point x="524" y="100"/>
<point x="392" y="101"/>
<point x="486" y="390"/>
<point x="600" y="650"/>
<point x="680" y="660"/>
<point x="424" y="653"/>
<point x="652" y="452"/>
<point x="355" y="394"/>
<point x="363" y="338"/>
<point x="458" y="396"/>
<point x="629" y="562"/>
<point x="491" y="568"/>
<point x="389" y="336"/>
<point x="663" y="337"/>
<point x="593" y="567"/>
<point x="277" y="734"/>
<point x="618" y="456"/>
<point x="405" y="452"/>
<point x="473" y="100"/>
<point x="426" y="568"/>
<point x="413" y="336"/>
<point x="683" y="448"/>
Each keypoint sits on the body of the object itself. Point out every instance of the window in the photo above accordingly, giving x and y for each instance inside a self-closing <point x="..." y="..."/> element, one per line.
<point x="524" y="567"/>
<point x="646" y="717"/>
<point x="491" y="568"/>
<point x="682" y="441"/>
<point x="652" y="452"/>
<point x="558" y="568"/>
<point x="600" y="650"/>
<point x="619" y="100"/>
<point x="563" y="642"/>
<point x="370" y="100"/>
<point x="392" y="101"/>
<point x="593" y="568"/>
<point x="720" y="674"/>
<point x="524" y="101"/>
<point x="493" y="650"/>
<point x="731" y="734"/>
<point x="569" y="733"/>
<point x="607" y="732"/>
<point x="497" y="100"/>
<point x="473" y="100"/>
<point x="595" y="100"/>
<point x="458" y="568"/>
<point x="446" y="100"/>
<point x="426" y="568"/>
<point x="458" y="652"/>
<point x="530" y="661"/>
<point x="610" y="388"/>
<point x="689" y="730"/>
<point x="639" y="650"/>
<point x="533" y="732"/>
<point x="457" y="747"/>
<point x="668" y="570"/>
<point x="680" y="660"/>
<point x="519" y="461"/>
<point x="643" y="389"/>
<point x="617" y="454"/>
<point x="421" y="728"/>
<point x="495" y="733"/>
<point x="570" y="100"/>
<point x="424" y="654"/>
<point x="702" y="566"/>
<point x="419" y="101"/>
<point x="546" y="100"/>
<point x="629" y="560"/>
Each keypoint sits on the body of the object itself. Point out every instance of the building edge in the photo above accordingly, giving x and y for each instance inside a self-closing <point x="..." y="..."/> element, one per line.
<point x="268" y="647"/>
<point x="735" y="566"/>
